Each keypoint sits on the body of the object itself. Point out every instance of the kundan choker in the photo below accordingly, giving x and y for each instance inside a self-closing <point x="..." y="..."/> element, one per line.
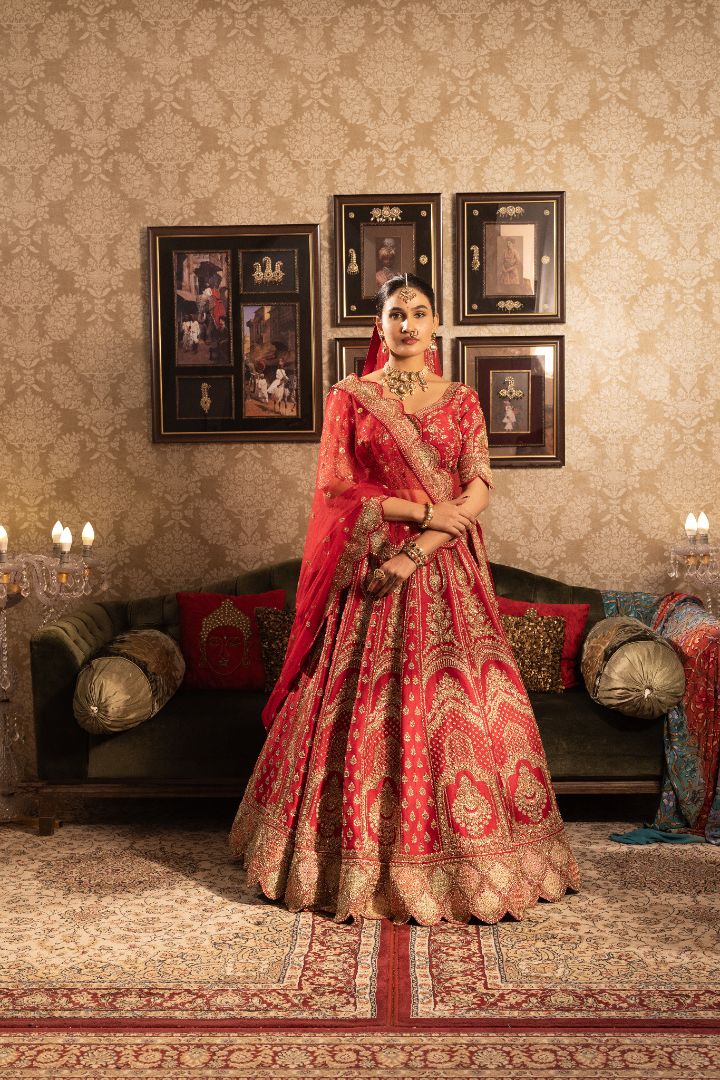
<point x="404" y="383"/>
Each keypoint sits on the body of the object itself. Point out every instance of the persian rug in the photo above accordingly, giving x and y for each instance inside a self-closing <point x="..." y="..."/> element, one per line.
<point x="341" y="1056"/>
<point x="639" y="943"/>
<point x="138" y="950"/>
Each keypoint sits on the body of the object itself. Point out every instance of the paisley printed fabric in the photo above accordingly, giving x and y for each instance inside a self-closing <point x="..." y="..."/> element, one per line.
<point x="691" y="788"/>
<point x="403" y="775"/>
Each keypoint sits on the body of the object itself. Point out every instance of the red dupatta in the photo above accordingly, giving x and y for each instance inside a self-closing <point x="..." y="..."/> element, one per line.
<point x="346" y="522"/>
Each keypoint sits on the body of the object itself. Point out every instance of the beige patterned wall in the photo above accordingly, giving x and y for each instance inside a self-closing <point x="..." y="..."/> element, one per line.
<point x="117" y="115"/>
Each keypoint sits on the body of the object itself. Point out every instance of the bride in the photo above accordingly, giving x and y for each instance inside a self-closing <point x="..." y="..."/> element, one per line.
<point x="403" y="774"/>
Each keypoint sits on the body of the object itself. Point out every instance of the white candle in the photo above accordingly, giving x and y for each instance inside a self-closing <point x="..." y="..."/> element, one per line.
<point x="65" y="541"/>
<point x="691" y="526"/>
<point x="703" y="525"/>
<point x="57" y="532"/>
<point x="3" y="539"/>
<point x="88" y="535"/>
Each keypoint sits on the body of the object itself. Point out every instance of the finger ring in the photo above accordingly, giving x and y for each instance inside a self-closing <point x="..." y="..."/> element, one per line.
<point x="379" y="574"/>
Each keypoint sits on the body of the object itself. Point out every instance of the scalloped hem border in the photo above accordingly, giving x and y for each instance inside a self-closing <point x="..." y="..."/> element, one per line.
<point x="454" y="890"/>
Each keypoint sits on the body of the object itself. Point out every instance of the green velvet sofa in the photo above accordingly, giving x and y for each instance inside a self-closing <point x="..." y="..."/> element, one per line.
<point x="205" y="742"/>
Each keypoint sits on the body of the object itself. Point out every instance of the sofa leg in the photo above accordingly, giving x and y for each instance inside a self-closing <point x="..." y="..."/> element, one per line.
<point x="46" y="819"/>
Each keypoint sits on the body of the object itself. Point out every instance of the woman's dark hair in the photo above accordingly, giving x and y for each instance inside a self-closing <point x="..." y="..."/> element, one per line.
<point x="394" y="283"/>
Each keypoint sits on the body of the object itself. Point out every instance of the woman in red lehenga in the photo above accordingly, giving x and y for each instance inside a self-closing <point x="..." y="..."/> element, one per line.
<point x="403" y="774"/>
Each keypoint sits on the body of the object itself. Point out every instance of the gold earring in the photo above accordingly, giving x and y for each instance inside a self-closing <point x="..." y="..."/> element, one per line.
<point x="433" y="341"/>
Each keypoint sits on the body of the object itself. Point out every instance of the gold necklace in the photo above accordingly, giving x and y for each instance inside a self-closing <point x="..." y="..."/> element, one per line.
<point x="404" y="383"/>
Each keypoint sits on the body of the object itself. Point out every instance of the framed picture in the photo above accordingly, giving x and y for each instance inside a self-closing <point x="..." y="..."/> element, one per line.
<point x="520" y="383"/>
<point x="350" y="356"/>
<point x="510" y="257"/>
<point x="235" y="332"/>
<point x="378" y="236"/>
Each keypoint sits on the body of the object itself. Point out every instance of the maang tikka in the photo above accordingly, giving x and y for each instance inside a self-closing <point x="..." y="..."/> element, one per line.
<point x="407" y="293"/>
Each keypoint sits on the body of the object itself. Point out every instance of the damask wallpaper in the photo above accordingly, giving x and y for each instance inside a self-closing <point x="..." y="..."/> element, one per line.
<point x="118" y="115"/>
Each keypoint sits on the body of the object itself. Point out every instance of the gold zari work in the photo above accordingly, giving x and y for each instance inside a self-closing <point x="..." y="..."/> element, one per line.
<point x="537" y="642"/>
<point x="403" y="775"/>
<point x="474" y="828"/>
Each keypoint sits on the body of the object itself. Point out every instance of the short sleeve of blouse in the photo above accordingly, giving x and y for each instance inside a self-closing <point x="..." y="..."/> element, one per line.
<point x="474" y="459"/>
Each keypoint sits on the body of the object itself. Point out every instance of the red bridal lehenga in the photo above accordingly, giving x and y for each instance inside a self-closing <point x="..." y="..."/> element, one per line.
<point x="403" y="774"/>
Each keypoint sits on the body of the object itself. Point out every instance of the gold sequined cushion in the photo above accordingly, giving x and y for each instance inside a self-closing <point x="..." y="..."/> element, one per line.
<point x="629" y="668"/>
<point x="537" y="642"/>
<point x="274" y="627"/>
<point x="127" y="681"/>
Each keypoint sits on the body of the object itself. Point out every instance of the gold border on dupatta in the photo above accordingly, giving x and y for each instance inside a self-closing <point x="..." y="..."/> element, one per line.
<point x="422" y="458"/>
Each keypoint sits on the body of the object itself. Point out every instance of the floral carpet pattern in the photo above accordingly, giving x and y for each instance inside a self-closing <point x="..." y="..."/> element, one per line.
<point x="138" y="950"/>
<point x="640" y="941"/>
<point x="101" y="922"/>
<point x="301" y="1056"/>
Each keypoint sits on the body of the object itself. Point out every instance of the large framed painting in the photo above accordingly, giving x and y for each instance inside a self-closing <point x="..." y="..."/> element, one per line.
<point x="350" y="356"/>
<point x="510" y="257"/>
<point x="235" y="331"/>
<point x="520" y="383"/>
<point x="378" y="236"/>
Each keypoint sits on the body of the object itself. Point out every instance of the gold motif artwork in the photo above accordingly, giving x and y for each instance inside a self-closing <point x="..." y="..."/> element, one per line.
<point x="265" y="274"/>
<point x="509" y="305"/>
<point x="385" y="213"/>
<point x="510" y="391"/>
<point x="353" y="267"/>
<point x="475" y="250"/>
<point x="511" y="212"/>
<point x="205" y="399"/>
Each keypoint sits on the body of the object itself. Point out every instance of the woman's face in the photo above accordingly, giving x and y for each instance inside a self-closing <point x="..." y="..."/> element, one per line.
<point x="407" y="324"/>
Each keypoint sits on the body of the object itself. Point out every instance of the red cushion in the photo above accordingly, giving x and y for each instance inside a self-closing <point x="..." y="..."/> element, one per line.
<point x="220" y="639"/>
<point x="575" y="616"/>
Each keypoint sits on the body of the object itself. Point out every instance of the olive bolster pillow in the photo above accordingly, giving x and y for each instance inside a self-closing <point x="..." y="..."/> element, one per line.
<point x="127" y="681"/>
<point x="629" y="668"/>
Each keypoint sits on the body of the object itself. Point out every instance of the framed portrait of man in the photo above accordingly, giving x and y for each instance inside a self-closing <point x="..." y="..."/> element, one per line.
<point x="510" y="257"/>
<point x="377" y="237"/>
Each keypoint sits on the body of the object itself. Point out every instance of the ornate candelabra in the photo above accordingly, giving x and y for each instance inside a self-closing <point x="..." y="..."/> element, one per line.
<point x="55" y="581"/>
<point x="696" y="558"/>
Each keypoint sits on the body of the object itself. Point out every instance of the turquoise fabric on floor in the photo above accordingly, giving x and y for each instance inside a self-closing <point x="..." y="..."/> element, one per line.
<point x="647" y="835"/>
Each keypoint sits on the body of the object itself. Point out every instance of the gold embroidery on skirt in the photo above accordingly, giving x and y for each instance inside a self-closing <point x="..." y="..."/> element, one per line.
<point x="412" y="832"/>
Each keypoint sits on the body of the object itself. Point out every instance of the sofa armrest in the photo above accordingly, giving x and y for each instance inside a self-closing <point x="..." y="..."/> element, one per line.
<point x="57" y="652"/>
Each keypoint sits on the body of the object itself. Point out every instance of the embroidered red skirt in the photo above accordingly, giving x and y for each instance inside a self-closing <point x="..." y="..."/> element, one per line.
<point x="404" y="776"/>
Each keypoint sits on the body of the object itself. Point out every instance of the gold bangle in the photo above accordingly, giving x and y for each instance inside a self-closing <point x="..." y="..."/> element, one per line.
<point x="427" y="516"/>
<point x="414" y="552"/>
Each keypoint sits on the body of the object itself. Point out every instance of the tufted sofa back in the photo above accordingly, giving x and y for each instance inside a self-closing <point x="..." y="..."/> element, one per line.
<point x="161" y="612"/>
<point x="522" y="585"/>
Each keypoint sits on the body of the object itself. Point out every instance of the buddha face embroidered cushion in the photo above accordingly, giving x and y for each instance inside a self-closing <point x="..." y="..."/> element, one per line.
<point x="629" y="668"/>
<point x="537" y="642"/>
<point x="575" y="616"/>
<point x="127" y="681"/>
<point x="221" y="640"/>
